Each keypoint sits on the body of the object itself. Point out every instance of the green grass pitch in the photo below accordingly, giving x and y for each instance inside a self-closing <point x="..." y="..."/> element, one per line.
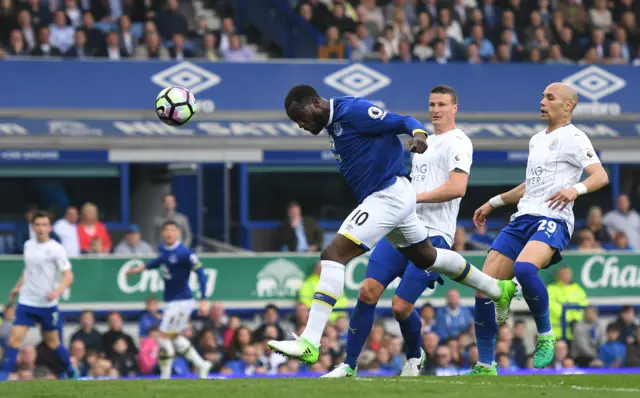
<point x="624" y="386"/>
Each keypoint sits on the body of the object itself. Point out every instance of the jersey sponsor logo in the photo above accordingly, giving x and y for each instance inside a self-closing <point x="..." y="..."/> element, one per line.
<point x="595" y="83"/>
<point x="279" y="278"/>
<point x="376" y="113"/>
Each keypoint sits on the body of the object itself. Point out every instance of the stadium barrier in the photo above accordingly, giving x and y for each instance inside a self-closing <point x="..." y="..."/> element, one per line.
<point x="250" y="281"/>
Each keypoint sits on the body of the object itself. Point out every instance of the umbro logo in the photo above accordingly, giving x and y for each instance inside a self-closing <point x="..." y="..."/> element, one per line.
<point x="357" y="80"/>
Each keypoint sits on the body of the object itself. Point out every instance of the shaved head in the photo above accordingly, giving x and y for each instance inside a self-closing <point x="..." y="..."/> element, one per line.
<point x="558" y="103"/>
<point x="566" y="92"/>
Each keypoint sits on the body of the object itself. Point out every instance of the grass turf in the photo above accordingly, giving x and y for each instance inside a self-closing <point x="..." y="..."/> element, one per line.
<point x="624" y="386"/>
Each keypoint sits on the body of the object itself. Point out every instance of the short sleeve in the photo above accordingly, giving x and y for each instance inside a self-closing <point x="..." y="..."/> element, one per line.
<point x="460" y="155"/>
<point x="582" y="153"/>
<point x="61" y="259"/>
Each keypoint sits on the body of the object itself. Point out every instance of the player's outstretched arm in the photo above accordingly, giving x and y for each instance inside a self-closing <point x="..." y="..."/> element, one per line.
<point x="368" y="118"/>
<point x="136" y="270"/>
<point x="511" y="197"/>
<point x="597" y="179"/>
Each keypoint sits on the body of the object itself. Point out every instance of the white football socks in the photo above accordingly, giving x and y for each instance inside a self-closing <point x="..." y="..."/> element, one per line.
<point x="184" y="347"/>
<point x="456" y="268"/>
<point x="165" y="360"/>
<point x="328" y="291"/>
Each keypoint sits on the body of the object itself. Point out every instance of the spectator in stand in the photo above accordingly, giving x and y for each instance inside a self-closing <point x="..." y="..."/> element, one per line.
<point x="428" y="317"/>
<point x="87" y="332"/>
<point x="569" y="44"/>
<point x="270" y="318"/>
<point x="564" y="291"/>
<point x="230" y="331"/>
<point x="561" y="354"/>
<point x="149" y="352"/>
<point x="620" y="242"/>
<point x="217" y="322"/>
<point x="127" y="40"/>
<point x="23" y="231"/>
<point x="73" y="13"/>
<point x="179" y="51"/>
<point x="595" y="225"/>
<point x="556" y="57"/>
<point x="518" y="346"/>
<point x="132" y="244"/>
<point x="587" y="243"/>
<point x="444" y="365"/>
<point x="334" y="49"/>
<point x="298" y="233"/>
<point x="228" y="29"/>
<point x="633" y="352"/>
<point x="600" y="16"/>
<point x="587" y="337"/>
<point x="78" y="354"/>
<point x="624" y="219"/>
<point x="67" y="229"/>
<point x="80" y="48"/>
<point x="151" y="318"/>
<point x="485" y="47"/>
<point x="241" y="340"/>
<point x="95" y="37"/>
<point x="373" y="16"/>
<point x="246" y="365"/>
<point x="113" y="51"/>
<point x="16" y="45"/>
<point x="114" y="334"/>
<point x="613" y="352"/>
<point x="61" y="33"/>
<point x="27" y="29"/>
<point x="453" y="319"/>
<point x="308" y="289"/>
<point x="90" y="227"/>
<point x="236" y="51"/>
<point x="208" y="50"/>
<point x="123" y="359"/>
<point x="627" y="324"/>
<point x="169" y="213"/>
<point x="171" y="21"/>
<point x="152" y="48"/>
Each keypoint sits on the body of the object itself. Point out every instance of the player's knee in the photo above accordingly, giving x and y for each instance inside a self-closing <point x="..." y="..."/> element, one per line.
<point x="370" y="291"/>
<point x="15" y="341"/>
<point x="334" y="253"/>
<point x="401" y="308"/>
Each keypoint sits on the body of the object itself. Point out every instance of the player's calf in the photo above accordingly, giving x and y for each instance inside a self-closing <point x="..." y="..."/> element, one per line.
<point x="361" y="321"/>
<point x="11" y="351"/>
<point x="185" y="348"/>
<point x="166" y="356"/>
<point x="411" y="329"/>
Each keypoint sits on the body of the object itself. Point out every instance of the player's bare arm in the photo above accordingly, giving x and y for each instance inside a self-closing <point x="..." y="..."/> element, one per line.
<point x="454" y="188"/>
<point x="135" y="270"/>
<point x="597" y="179"/>
<point x="511" y="197"/>
<point x="67" y="280"/>
<point x="16" y="289"/>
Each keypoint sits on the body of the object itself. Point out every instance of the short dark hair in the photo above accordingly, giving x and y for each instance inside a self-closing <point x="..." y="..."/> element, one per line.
<point x="613" y="327"/>
<point x="442" y="89"/>
<point x="41" y="214"/>
<point x="170" y="222"/>
<point x="301" y="94"/>
<point x="271" y="307"/>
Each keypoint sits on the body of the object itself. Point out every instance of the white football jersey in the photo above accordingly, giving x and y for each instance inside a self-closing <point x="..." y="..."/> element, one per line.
<point x="556" y="161"/>
<point x="43" y="267"/>
<point x="446" y="152"/>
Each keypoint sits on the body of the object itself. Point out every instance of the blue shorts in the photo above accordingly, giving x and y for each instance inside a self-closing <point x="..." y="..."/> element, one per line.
<point x="28" y="316"/>
<point x="520" y="231"/>
<point x="387" y="263"/>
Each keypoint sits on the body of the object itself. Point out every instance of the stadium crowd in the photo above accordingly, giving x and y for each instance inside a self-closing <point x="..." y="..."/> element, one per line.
<point x="115" y="29"/>
<point x="239" y="348"/>
<point x="477" y="31"/>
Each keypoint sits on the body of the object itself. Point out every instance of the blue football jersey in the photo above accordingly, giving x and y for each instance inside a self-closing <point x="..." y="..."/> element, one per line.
<point x="175" y="264"/>
<point x="364" y="140"/>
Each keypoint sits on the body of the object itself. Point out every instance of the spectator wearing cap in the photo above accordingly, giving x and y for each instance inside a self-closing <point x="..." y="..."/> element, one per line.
<point x="564" y="291"/>
<point x="132" y="244"/>
<point x="169" y="213"/>
<point x="67" y="230"/>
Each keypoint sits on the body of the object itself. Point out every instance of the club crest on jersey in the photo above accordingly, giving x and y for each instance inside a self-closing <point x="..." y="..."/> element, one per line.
<point x="554" y="145"/>
<point x="337" y="129"/>
<point x="173" y="259"/>
<point x="457" y="158"/>
<point x="376" y="113"/>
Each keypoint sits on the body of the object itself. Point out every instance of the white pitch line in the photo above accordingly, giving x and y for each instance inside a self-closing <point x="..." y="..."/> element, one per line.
<point x="552" y="385"/>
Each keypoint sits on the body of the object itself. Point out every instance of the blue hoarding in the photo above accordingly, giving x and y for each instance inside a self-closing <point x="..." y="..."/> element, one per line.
<point x="476" y="129"/>
<point x="132" y="86"/>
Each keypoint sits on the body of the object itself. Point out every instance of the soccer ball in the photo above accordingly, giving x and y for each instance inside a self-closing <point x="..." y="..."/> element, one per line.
<point x="175" y="105"/>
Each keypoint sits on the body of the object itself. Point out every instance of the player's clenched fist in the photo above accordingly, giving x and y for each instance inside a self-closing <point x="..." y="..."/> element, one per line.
<point x="480" y="216"/>
<point x="418" y="144"/>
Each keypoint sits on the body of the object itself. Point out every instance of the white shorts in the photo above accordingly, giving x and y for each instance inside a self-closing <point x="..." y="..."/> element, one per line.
<point x="176" y="316"/>
<point x="391" y="213"/>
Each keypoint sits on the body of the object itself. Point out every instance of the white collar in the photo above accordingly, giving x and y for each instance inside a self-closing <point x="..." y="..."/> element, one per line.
<point x="330" y="112"/>
<point x="172" y="247"/>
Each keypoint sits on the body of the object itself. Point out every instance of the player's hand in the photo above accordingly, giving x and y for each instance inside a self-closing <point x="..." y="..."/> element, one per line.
<point x="563" y="198"/>
<point x="418" y="144"/>
<point x="52" y="295"/>
<point x="480" y="216"/>
<point x="432" y="282"/>
<point x="134" y="270"/>
<point x="203" y="308"/>
<point x="13" y="294"/>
